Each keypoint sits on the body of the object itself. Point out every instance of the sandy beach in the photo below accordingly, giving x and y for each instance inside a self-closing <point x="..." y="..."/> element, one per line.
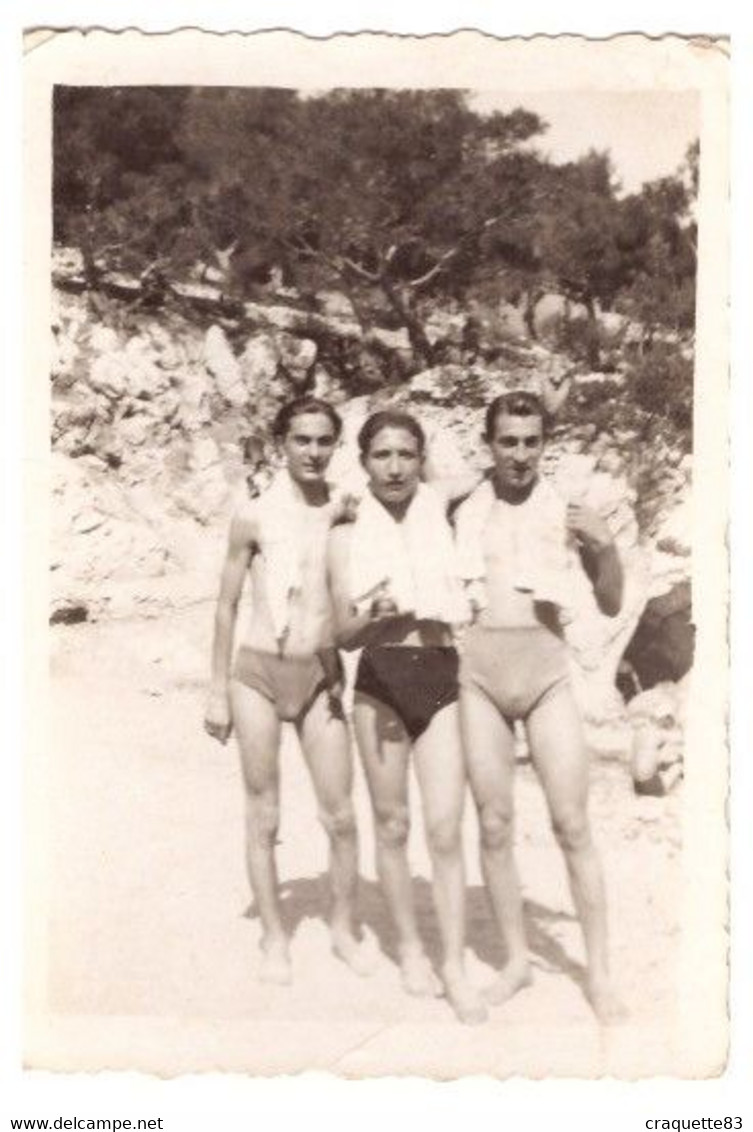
<point x="147" y="946"/>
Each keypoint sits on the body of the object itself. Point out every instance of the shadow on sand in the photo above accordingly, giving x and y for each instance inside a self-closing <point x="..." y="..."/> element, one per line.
<point x="308" y="899"/>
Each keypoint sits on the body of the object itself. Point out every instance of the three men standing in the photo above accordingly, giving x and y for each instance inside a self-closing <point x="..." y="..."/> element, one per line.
<point x="516" y="543"/>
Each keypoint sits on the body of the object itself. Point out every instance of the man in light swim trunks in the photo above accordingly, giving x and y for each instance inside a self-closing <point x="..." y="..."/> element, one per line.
<point x="287" y="670"/>
<point x="514" y="667"/>
<point x="406" y="688"/>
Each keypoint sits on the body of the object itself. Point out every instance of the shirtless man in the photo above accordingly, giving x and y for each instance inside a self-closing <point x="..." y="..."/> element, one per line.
<point x="514" y="667"/>
<point x="287" y="670"/>
<point x="392" y="587"/>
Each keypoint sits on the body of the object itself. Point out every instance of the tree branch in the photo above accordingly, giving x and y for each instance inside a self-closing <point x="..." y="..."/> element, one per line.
<point x="340" y="264"/>
<point x="357" y="269"/>
<point x="442" y="262"/>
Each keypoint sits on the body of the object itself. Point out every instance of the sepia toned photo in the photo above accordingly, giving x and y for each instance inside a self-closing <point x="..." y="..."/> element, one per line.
<point x="377" y="394"/>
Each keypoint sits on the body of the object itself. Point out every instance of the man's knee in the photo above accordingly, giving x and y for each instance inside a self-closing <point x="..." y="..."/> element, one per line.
<point x="393" y="827"/>
<point x="443" y="836"/>
<point x="263" y="820"/>
<point x="572" y="831"/>
<point x="496" y="826"/>
<point x="339" y="821"/>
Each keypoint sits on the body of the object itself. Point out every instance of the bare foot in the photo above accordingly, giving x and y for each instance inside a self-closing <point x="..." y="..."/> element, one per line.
<point x="512" y="978"/>
<point x="275" y="966"/>
<point x="463" y="998"/>
<point x="352" y="951"/>
<point x="605" y="1003"/>
<point x="418" y="976"/>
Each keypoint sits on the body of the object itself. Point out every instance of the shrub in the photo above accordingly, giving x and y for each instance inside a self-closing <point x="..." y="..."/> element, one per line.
<point x="662" y="384"/>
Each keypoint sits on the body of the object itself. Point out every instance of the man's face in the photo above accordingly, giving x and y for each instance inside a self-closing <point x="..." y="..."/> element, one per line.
<point x="308" y="446"/>
<point x="393" y="464"/>
<point x="516" y="446"/>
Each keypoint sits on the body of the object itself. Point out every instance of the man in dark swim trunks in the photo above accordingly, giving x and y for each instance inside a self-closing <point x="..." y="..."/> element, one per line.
<point x="287" y="670"/>
<point x="517" y="543"/>
<point x="395" y="593"/>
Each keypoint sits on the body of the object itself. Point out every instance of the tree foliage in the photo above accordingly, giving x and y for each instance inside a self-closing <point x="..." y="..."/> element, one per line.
<point x="398" y="197"/>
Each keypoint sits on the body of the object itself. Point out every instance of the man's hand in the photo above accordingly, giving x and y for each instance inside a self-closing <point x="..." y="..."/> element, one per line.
<point x="345" y="509"/>
<point x="383" y="606"/>
<point x="217" y="719"/>
<point x="588" y="528"/>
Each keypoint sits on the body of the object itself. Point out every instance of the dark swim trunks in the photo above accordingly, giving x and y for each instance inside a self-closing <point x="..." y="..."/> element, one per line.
<point x="292" y="684"/>
<point x="415" y="682"/>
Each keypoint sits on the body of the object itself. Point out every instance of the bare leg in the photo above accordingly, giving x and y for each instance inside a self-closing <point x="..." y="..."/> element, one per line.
<point x="258" y="730"/>
<point x="441" y="776"/>
<point x="324" y="740"/>
<point x="559" y="755"/>
<point x="384" y="749"/>
<point x="490" y="754"/>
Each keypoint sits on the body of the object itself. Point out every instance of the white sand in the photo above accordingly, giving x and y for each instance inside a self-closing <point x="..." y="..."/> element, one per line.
<point x="152" y="956"/>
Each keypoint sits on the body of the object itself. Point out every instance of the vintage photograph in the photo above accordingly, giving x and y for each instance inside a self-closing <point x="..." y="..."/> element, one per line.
<point x="383" y="681"/>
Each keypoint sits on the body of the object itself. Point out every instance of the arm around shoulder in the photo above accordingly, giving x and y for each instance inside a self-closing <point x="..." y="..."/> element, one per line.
<point x="338" y="556"/>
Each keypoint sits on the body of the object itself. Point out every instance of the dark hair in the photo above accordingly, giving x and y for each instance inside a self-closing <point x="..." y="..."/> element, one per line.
<point x="297" y="408"/>
<point x="519" y="403"/>
<point x="390" y="418"/>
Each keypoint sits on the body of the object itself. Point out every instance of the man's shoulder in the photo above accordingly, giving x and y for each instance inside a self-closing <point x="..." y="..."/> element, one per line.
<point x="245" y="523"/>
<point x="338" y="546"/>
<point x="481" y="497"/>
<point x="339" y="537"/>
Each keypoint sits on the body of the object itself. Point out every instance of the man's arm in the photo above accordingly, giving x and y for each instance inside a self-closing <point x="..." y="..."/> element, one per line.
<point x="241" y="547"/>
<point x="353" y="628"/>
<point x="599" y="556"/>
<point x="453" y="489"/>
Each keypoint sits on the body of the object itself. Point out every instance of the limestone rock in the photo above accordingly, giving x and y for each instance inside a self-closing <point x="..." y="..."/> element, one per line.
<point x="205" y="495"/>
<point x="98" y="541"/>
<point x="334" y="304"/>
<point x="445" y="326"/>
<point x="297" y="357"/>
<point x="324" y="385"/>
<point x="259" y="362"/>
<point x="223" y="365"/>
<point x="145" y="378"/>
<point x="109" y="375"/>
<point x="103" y="340"/>
<point x="135" y="431"/>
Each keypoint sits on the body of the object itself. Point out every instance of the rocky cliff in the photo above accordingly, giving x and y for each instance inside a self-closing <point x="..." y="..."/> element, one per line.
<point x="159" y="420"/>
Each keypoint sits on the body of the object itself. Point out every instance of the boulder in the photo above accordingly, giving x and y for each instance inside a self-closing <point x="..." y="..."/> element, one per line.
<point x="108" y="374"/>
<point x="204" y="453"/>
<point x="509" y="323"/>
<point x="135" y="430"/>
<point x="259" y="362"/>
<point x="397" y="340"/>
<point x="445" y="326"/>
<point x="66" y="357"/>
<point x="552" y="310"/>
<point x="205" y="495"/>
<point x="657" y="722"/>
<point x="297" y="357"/>
<point x="145" y="378"/>
<point x="103" y="340"/>
<point x="334" y="304"/>
<point x="675" y="532"/>
<point x="324" y="385"/>
<point x="166" y="349"/>
<point x="67" y="261"/>
<point x="98" y="541"/>
<point x="224" y="367"/>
